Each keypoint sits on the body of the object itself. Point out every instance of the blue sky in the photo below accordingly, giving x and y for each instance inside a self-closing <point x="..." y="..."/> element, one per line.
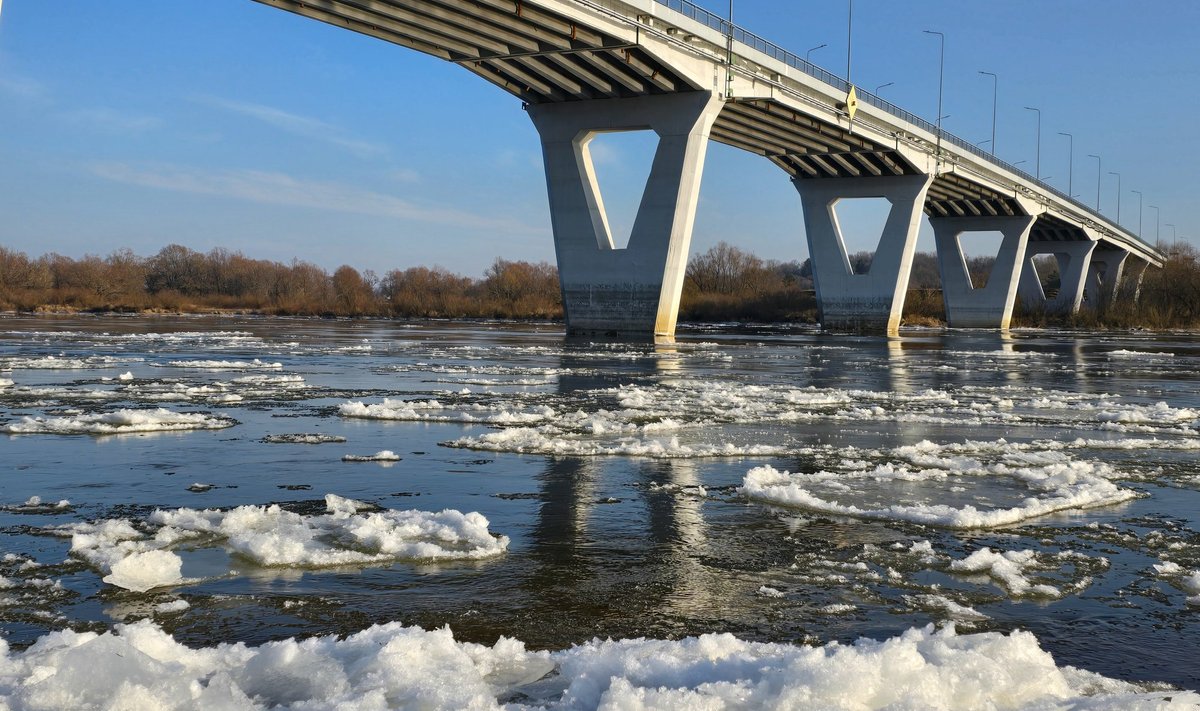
<point x="227" y="123"/>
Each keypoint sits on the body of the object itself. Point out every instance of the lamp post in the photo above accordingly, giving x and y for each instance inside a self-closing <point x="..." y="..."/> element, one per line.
<point x="1174" y="238"/>
<point x="1139" y="194"/>
<point x="1098" y="174"/>
<point x="849" y="36"/>
<point x="1118" y="195"/>
<point x="1070" y="163"/>
<point x="995" y="89"/>
<point x="883" y="86"/>
<point x="941" y="77"/>
<point x="808" y="54"/>
<point x="1157" y="237"/>
<point x="1038" y="160"/>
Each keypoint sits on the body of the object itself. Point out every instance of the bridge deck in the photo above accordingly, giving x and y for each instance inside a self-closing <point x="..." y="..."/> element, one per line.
<point x="777" y="104"/>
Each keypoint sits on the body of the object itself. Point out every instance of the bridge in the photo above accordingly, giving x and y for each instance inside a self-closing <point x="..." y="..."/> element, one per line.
<point x="585" y="67"/>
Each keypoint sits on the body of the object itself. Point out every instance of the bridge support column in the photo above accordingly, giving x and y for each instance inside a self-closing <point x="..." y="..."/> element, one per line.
<point x="1131" y="280"/>
<point x="989" y="306"/>
<point x="1104" y="277"/>
<point x="872" y="301"/>
<point x="1074" y="259"/>
<point x="635" y="290"/>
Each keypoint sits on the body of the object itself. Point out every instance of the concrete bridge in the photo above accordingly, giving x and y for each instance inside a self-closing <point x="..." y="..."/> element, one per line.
<point x="584" y="67"/>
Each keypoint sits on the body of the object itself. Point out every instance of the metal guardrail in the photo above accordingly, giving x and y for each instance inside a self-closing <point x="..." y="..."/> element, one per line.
<point x="725" y="27"/>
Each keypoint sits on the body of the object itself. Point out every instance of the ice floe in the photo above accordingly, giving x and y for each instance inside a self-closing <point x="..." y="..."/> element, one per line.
<point x="1125" y="353"/>
<point x="303" y="438"/>
<point x="61" y="362"/>
<point x="385" y="455"/>
<point x="1009" y="569"/>
<point x="951" y="609"/>
<point x="255" y="364"/>
<point x="138" y="558"/>
<point x="1044" y="482"/>
<point x="631" y="419"/>
<point x="35" y="505"/>
<point x="391" y="666"/>
<point x="118" y="422"/>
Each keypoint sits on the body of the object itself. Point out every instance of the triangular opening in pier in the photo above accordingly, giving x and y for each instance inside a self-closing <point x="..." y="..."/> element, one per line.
<point x="621" y="161"/>
<point x="860" y="223"/>
<point x="1048" y="269"/>
<point x="979" y="251"/>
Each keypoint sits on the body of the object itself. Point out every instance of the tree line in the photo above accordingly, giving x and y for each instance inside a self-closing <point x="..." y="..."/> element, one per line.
<point x="724" y="283"/>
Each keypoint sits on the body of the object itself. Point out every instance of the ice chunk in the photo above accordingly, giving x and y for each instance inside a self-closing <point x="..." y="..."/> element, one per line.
<point x="302" y="438"/>
<point x="392" y="666"/>
<point x="174" y="606"/>
<point x="255" y="364"/>
<point x="1051" y="479"/>
<point x="1008" y="568"/>
<point x="349" y="534"/>
<point x="118" y="422"/>
<point x="385" y="455"/>
<point x="142" y="571"/>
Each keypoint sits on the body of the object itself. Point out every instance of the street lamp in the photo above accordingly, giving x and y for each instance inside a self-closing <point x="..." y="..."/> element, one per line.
<point x="1174" y="238"/>
<point x="995" y="89"/>
<point x="1038" y="161"/>
<point x="1098" y="173"/>
<point x="1070" y="163"/>
<point x="1157" y="237"/>
<point x="1118" y="195"/>
<point x="1139" y="194"/>
<point x="808" y="55"/>
<point x="941" y="76"/>
<point x="849" y="35"/>
<point x="883" y="86"/>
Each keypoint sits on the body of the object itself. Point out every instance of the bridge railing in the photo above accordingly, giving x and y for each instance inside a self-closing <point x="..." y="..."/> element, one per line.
<point x="725" y="27"/>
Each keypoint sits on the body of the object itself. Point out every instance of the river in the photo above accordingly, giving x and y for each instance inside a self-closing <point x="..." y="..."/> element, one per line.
<point x="789" y="487"/>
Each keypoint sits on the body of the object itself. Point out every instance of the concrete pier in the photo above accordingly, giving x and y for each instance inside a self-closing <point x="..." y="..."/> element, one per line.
<point x="632" y="291"/>
<point x="1104" y="276"/>
<point x="1074" y="260"/>
<point x="989" y="306"/>
<point x="862" y="302"/>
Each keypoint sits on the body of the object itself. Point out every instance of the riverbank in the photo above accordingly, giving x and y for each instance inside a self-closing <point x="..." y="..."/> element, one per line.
<point x="723" y="284"/>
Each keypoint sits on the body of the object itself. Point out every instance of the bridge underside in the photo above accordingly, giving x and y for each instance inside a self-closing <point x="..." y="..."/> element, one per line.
<point x="622" y="73"/>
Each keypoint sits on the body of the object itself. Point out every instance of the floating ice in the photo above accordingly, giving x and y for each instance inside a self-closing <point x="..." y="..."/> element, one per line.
<point x="436" y="411"/>
<point x="1048" y="481"/>
<point x="952" y="609"/>
<point x="127" y="375"/>
<point x="118" y="422"/>
<point x="255" y="364"/>
<point x="167" y="608"/>
<point x="1191" y="584"/>
<point x="34" y="504"/>
<point x="392" y="666"/>
<point x="705" y="413"/>
<point x="385" y="455"/>
<point x="1123" y="353"/>
<point x="1008" y="568"/>
<point x="302" y="438"/>
<point x="128" y="558"/>
<point x="271" y="536"/>
<point x="51" y="362"/>
<point x="6" y="382"/>
<point x="536" y="441"/>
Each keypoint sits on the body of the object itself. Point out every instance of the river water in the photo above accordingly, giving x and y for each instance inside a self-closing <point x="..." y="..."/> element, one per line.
<point x="783" y="485"/>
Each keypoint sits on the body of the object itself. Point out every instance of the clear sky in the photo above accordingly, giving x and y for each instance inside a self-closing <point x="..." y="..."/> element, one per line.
<point x="137" y="123"/>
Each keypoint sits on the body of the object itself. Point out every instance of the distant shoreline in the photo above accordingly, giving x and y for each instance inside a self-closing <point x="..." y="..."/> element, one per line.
<point x="722" y="285"/>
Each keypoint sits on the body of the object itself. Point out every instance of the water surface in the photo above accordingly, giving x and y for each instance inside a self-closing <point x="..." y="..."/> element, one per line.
<point x="621" y="475"/>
